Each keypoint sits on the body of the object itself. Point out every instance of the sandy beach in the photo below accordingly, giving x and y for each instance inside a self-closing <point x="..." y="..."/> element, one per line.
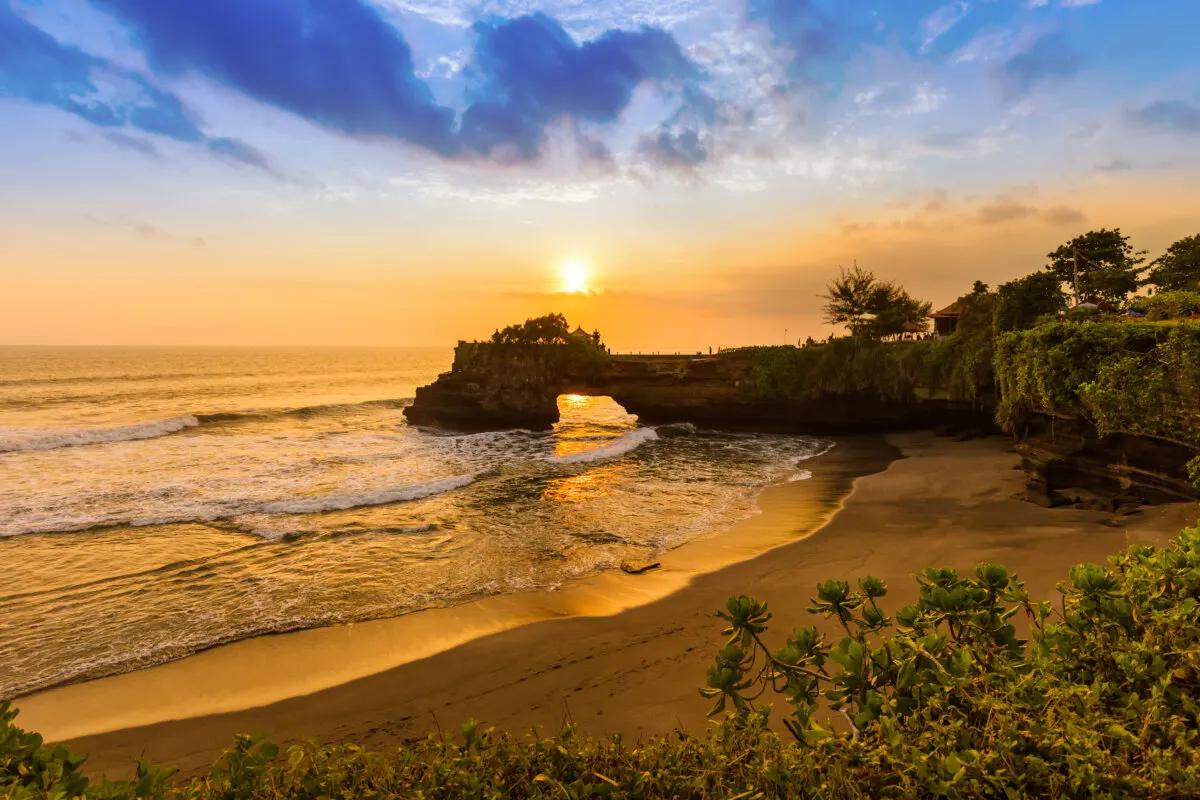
<point x="615" y="652"/>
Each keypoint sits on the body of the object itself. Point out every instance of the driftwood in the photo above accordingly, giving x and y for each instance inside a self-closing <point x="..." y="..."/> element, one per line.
<point x="637" y="567"/>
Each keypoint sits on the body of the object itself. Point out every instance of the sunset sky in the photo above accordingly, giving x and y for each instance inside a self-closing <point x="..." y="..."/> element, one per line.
<point x="411" y="172"/>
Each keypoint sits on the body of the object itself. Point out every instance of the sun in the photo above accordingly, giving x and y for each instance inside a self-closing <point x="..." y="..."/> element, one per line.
<point x="574" y="275"/>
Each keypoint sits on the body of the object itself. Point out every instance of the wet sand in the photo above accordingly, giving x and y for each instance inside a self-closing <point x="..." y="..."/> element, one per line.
<point x="614" y="652"/>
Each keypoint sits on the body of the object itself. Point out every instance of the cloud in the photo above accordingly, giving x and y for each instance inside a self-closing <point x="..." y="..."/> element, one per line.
<point x="37" y="68"/>
<point x="529" y="71"/>
<point x="683" y="150"/>
<point x="1005" y="208"/>
<point x="147" y="231"/>
<point x="1063" y="215"/>
<point x="1173" y="115"/>
<point x="897" y="99"/>
<point x="341" y="65"/>
<point x="1049" y="57"/>
<point x="134" y="143"/>
<point x="989" y="45"/>
<point x="800" y="26"/>
<point x="239" y="152"/>
<point x="582" y="19"/>
<point x="1116" y="165"/>
<point x="941" y="21"/>
<point x="335" y="62"/>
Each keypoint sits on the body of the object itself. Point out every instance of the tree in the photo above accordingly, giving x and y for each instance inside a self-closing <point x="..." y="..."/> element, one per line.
<point x="1021" y="302"/>
<point x="979" y="287"/>
<point x="1099" y="266"/>
<point x="548" y="329"/>
<point x="1178" y="269"/>
<point x="847" y="299"/>
<point x="871" y="307"/>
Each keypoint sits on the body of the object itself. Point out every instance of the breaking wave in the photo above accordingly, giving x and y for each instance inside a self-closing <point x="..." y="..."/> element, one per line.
<point x="19" y="440"/>
<point x="302" y="411"/>
<point x="27" y="439"/>
<point x="630" y="441"/>
<point x="219" y="512"/>
<point x="341" y="502"/>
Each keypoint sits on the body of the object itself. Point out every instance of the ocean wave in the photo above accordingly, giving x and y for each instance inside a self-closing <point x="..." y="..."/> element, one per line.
<point x="29" y="439"/>
<point x="677" y="429"/>
<point x="630" y="441"/>
<point x="301" y="411"/>
<point x="376" y="497"/>
<point x="17" y="440"/>
<point x="235" y="513"/>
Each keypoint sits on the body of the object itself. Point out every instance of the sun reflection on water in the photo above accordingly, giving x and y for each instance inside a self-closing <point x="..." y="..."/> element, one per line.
<point x="591" y="484"/>
<point x="587" y="422"/>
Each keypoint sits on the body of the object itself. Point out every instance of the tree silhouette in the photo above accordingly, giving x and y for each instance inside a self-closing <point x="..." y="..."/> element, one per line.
<point x="871" y="307"/>
<point x="1099" y="266"/>
<point x="1178" y="269"/>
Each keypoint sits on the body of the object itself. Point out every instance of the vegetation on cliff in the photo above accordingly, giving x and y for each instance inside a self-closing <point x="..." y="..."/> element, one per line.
<point x="941" y="699"/>
<point x="1052" y="359"/>
<point x="957" y="367"/>
<point x="1123" y="377"/>
<point x="547" y="340"/>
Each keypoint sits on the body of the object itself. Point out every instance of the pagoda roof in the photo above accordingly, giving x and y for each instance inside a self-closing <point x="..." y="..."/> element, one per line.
<point x="952" y="310"/>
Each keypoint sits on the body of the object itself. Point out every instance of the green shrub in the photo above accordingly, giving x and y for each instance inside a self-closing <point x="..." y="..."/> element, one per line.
<point x="1168" y="305"/>
<point x="945" y="700"/>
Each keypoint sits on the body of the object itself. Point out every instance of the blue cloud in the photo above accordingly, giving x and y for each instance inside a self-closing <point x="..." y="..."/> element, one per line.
<point x="137" y="144"/>
<point x="34" y="66"/>
<point x="806" y="30"/>
<point x="529" y="71"/>
<point x="682" y="149"/>
<point x="1175" y="115"/>
<point x="37" y="68"/>
<point x="238" y="151"/>
<point x="335" y="62"/>
<point x="1049" y="57"/>
<point x="340" y="64"/>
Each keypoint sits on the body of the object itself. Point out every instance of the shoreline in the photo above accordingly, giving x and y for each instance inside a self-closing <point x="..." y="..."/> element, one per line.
<point x="637" y="671"/>
<point x="252" y="673"/>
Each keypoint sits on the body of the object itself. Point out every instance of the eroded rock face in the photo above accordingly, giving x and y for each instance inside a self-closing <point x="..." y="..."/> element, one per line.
<point x="491" y="389"/>
<point x="497" y="387"/>
<point x="1064" y="460"/>
<point x="1061" y="455"/>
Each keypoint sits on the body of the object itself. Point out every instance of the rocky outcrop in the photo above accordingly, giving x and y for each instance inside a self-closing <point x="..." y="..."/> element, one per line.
<point x="1067" y="461"/>
<point x="492" y="387"/>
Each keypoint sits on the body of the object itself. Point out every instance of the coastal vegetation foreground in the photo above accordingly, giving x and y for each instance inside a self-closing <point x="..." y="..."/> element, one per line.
<point x="940" y="698"/>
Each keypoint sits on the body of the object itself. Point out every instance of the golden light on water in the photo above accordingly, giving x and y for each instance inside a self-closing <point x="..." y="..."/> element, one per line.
<point x="591" y="484"/>
<point x="575" y="276"/>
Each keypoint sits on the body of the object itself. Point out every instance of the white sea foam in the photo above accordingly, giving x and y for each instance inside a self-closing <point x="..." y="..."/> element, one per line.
<point x="14" y="440"/>
<point x="376" y="497"/>
<point x="630" y="441"/>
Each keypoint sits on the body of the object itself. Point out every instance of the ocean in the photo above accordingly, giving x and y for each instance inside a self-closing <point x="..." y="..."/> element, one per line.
<point x="155" y="502"/>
